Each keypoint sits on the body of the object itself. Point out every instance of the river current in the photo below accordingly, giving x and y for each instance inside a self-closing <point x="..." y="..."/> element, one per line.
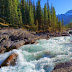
<point x="41" y="57"/>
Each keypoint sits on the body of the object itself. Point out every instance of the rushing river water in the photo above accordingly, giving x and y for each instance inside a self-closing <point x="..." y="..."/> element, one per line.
<point x="41" y="57"/>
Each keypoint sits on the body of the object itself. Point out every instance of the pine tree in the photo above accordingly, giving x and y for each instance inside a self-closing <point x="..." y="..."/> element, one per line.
<point x="49" y="14"/>
<point x="59" y="27"/>
<point x="39" y="14"/>
<point x="45" y="18"/>
<point x="34" y="11"/>
<point x="19" y="14"/>
<point x="53" y="19"/>
<point x="23" y="5"/>
<point x="62" y="24"/>
<point x="57" y="22"/>
<point x="3" y="8"/>
<point x="31" y="16"/>
<point x="27" y="13"/>
<point x="36" y="25"/>
<point x="12" y="12"/>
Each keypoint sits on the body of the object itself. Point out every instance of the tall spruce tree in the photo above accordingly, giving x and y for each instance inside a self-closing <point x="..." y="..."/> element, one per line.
<point x="3" y="8"/>
<point x="59" y="26"/>
<point x="53" y="19"/>
<point x="23" y="5"/>
<point x="62" y="24"/>
<point x="27" y="13"/>
<point x="34" y="11"/>
<point x="45" y="18"/>
<point x="49" y="14"/>
<point x="19" y="14"/>
<point x="31" y="16"/>
<point x="39" y="15"/>
<point x="12" y="12"/>
<point x="57" y="22"/>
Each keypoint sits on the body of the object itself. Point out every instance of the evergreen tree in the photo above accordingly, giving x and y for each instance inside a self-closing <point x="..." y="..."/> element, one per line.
<point x="3" y="8"/>
<point x="45" y="18"/>
<point x="19" y="14"/>
<point x="59" y="26"/>
<point x="34" y="11"/>
<point x="27" y="13"/>
<point x="49" y="15"/>
<point x="23" y="5"/>
<point x="31" y="16"/>
<point x="62" y="24"/>
<point x="12" y="12"/>
<point x="39" y="15"/>
<point x="36" y="25"/>
<point x="57" y="22"/>
<point x="53" y="19"/>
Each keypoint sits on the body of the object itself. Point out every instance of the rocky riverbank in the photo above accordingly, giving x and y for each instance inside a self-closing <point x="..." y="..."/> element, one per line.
<point x="14" y="38"/>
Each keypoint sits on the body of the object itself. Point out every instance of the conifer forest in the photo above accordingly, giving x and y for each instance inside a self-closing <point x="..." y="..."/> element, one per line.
<point x="30" y="15"/>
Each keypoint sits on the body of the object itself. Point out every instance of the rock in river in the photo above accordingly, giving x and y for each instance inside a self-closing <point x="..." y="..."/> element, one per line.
<point x="10" y="61"/>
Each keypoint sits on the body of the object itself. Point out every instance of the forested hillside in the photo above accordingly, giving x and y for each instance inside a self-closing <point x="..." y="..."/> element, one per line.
<point x="27" y="14"/>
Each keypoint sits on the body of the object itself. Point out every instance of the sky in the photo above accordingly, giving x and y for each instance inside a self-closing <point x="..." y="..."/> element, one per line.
<point x="61" y="6"/>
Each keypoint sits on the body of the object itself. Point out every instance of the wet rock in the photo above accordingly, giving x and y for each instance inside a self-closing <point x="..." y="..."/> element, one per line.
<point x="10" y="61"/>
<point x="63" y="67"/>
<point x="30" y="42"/>
<point x="2" y="49"/>
<point x="14" y="38"/>
<point x="3" y="38"/>
<point x="65" y="34"/>
<point x="16" y="45"/>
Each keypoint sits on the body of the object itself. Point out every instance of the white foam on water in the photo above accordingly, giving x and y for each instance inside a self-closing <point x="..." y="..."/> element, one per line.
<point x="41" y="57"/>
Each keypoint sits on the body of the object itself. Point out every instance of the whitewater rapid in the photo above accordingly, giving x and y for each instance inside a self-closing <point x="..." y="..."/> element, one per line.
<point x="41" y="57"/>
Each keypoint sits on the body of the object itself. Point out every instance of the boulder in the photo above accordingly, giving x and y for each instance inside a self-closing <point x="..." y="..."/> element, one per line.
<point x="65" y="34"/>
<point x="10" y="61"/>
<point x="16" y="45"/>
<point x="29" y="42"/>
<point x="63" y="67"/>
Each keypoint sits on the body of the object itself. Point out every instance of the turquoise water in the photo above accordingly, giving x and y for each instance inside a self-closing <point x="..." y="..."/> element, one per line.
<point x="41" y="57"/>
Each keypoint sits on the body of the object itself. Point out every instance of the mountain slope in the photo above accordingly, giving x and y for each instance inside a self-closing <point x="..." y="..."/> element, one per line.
<point x="67" y="17"/>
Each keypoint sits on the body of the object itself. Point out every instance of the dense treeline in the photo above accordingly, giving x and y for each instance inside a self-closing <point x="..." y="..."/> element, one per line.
<point x="69" y="25"/>
<point x="24" y="13"/>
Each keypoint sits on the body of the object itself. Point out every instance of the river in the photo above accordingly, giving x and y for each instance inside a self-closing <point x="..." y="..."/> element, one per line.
<point x="41" y="57"/>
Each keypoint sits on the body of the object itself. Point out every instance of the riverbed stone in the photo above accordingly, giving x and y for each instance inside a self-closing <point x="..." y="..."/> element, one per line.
<point x="63" y="67"/>
<point x="10" y="61"/>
